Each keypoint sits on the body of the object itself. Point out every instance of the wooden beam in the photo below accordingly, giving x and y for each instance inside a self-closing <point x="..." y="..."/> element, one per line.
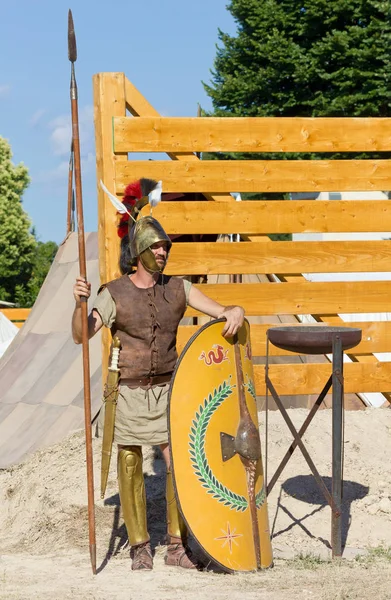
<point x="286" y="216"/>
<point x="249" y="134"/>
<point x="138" y="106"/>
<point x="302" y="298"/>
<point x="197" y="258"/>
<point x="259" y="175"/>
<point x="376" y="337"/>
<point x="310" y="378"/>
<point x="109" y="100"/>
<point x="16" y="314"/>
<point x="333" y="319"/>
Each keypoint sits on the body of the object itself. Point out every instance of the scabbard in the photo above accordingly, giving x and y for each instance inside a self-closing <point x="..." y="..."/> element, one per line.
<point x="110" y="400"/>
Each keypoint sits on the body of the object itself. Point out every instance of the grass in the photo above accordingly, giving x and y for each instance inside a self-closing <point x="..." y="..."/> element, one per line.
<point x="378" y="553"/>
<point x="311" y="562"/>
<point x="307" y="561"/>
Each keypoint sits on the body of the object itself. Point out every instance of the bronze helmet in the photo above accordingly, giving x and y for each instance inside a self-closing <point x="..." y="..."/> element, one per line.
<point x="142" y="235"/>
<point x="145" y="231"/>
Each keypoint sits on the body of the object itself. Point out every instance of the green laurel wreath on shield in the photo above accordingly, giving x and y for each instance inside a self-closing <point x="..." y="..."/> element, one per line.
<point x="251" y="388"/>
<point x="199" y="459"/>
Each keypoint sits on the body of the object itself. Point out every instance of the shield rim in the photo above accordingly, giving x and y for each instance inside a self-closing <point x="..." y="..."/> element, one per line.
<point x="172" y="462"/>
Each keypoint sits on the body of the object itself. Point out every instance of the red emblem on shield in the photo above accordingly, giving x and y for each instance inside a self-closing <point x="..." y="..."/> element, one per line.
<point x="214" y="356"/>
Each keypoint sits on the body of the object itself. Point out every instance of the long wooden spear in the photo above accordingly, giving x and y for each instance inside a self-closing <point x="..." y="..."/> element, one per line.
<point x="70" y="223"/>
<point x="72" y="55"/>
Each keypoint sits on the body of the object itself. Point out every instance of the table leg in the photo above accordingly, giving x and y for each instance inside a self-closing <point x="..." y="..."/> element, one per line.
<point x="336" y="485"/>
<point x="300" y="443"/>
<point x="301" y="432"/>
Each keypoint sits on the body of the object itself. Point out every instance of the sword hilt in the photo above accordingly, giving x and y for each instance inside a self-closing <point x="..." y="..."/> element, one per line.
<point x="115" y="348"/>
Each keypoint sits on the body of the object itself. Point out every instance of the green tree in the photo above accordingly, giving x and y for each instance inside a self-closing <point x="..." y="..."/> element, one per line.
<point x="25" y="295"/>
<point x="308" y="58"/>
<point x="24" y="262"/>
<point x="304" y="58"/>
<point x="17" y="243"/>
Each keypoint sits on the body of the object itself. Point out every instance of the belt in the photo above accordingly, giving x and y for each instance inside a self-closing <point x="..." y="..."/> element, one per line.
<point x="147" y="381"/>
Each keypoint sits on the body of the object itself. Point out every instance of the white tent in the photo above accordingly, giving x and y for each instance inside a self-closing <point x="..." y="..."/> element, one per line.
<point x="7" y="333"/>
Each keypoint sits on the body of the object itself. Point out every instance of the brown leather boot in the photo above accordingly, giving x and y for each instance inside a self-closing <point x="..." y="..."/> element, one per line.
<point x="178" y="555"/>
<point x="142" y="557"/>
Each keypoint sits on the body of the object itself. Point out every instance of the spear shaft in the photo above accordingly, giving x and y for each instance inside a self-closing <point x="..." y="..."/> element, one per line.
<point x="72" y="55"/>
<point x="70" y="193"/>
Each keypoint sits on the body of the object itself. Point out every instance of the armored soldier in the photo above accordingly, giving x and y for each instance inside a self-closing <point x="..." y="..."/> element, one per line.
<point x="143" y="309"/>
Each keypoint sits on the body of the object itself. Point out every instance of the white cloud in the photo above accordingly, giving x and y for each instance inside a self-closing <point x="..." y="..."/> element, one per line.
<point x="60" y="140"/>
<point x="61" y="132"/>
<point x="37" y="116"/>
<point x="4" y="90"/>
<point x="59" y="174"/>
<point x="88" y="162"/>
<point x="61" y="135"/>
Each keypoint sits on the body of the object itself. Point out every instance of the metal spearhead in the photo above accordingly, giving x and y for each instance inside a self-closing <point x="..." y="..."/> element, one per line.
<point x="72" y="50"/>
<point x="72" y="54"/>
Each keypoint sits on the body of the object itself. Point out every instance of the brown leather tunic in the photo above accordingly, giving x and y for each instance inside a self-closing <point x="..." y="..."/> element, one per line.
<point x="146" y="324"/>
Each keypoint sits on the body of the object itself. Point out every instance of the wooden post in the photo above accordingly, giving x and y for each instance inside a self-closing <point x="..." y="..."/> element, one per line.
<point x="109" y="101"/>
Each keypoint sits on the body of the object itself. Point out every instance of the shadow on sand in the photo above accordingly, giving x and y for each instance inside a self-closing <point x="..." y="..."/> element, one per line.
<point x="155" y="488"/>
<point x="305" y="488"/>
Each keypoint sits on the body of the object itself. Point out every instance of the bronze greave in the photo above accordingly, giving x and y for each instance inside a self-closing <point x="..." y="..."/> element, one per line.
<point x="132" y="493"/>
<point x="176" y="528"/>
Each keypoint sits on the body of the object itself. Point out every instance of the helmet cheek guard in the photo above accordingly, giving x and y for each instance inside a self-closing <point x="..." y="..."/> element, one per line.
<point x="143" y="234"/>
<point x="149" y="262"/>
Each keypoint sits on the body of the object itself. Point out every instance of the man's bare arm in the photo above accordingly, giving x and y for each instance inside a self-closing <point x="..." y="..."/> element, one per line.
<point x="83" y="289"/>
<point x="234" y="315"/>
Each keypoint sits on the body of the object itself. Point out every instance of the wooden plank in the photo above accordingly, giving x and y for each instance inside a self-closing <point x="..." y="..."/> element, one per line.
<point x="260" y="175"/>
<point x="251" y="134"/>
<point x="376" y="337"/>
<point x="136" y="103"/>
<point x="336" y="320"/>
<point x="197" y="258"/>
<point x="310" y="378"/>
<point x="138" y="106"/>
<point x="16" y="314"/>
<point x="289" y="216"/>
<point x="302" y="298"/>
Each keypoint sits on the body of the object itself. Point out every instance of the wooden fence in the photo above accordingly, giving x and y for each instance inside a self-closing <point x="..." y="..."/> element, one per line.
<point x="17" y="315"/>
<point x="125" y="123"/>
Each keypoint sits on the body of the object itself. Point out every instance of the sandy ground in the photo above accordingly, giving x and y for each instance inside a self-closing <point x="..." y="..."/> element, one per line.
<point x="44" y="532"/>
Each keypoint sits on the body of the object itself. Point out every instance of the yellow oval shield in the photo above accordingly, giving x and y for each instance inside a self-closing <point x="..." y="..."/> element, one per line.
<point x="212" y="395"/>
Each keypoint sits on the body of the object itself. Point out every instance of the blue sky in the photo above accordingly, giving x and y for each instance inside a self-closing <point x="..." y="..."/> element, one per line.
<point x="165" y="47"/>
